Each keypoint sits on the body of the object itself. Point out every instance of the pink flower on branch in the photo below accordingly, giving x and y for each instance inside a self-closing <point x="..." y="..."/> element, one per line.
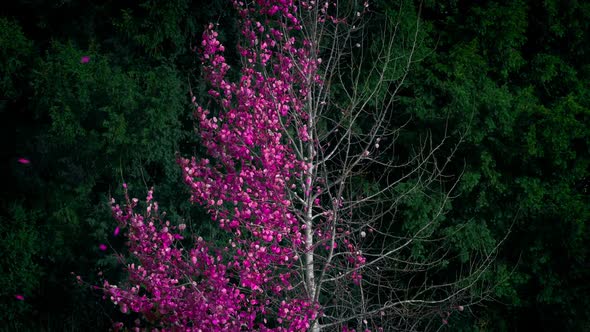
<point x="247" y="185"/>
<point x="179" y="288"/>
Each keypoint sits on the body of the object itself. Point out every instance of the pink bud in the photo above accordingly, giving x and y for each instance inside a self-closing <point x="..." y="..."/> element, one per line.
<point x="19" y="297"/>
<point x="460" y="308"/>
<point x="24" y="161"/>
<point x="102" y="247"/>
<point x="116" y="232"/>
<point x="85" y="59"/>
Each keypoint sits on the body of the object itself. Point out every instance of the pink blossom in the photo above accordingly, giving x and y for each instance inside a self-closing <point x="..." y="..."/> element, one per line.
<point x="102" y="246"/>
<point x="19" y="297"/>
<point x="24" y="161"/>
<point x="243" y="184"/>
<point x="85" y="59"/>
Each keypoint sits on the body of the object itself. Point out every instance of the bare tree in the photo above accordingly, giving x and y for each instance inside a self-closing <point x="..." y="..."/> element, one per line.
<point x="358" y="261"/>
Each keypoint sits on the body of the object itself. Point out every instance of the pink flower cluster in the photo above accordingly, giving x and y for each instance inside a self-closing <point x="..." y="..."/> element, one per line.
<point x="172" y="288"/>
<point x="246" y="185"/>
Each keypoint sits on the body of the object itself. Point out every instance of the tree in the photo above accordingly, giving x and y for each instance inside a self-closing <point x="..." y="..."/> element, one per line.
<point x="303" y="172"/>
<point x="514" y="72"/>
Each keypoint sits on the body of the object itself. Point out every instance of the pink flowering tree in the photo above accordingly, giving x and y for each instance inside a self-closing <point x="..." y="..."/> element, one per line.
<point x="301" y="173"/>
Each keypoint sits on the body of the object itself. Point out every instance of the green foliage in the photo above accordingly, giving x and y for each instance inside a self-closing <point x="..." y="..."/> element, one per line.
<point x="15" y="53"/>
<point x="502" y="76"/>
<point x="160" y="28"/>
<point x="132" y="116"/>
<point x="20" y="273"/>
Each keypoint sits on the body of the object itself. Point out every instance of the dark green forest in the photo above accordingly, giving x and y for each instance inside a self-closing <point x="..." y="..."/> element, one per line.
<point x="97" y="93"/>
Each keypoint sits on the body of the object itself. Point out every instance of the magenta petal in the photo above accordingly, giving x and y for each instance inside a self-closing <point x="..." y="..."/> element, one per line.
<point x="116" y="232"/>
<point x="102" y="247"/>
<point x="85" y="59"/>
<point x="24" y="161"/>
<point x="19" y="297"/>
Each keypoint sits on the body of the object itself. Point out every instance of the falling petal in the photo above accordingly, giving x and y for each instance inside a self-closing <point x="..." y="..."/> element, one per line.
<point x="24" y="161"/>
<point x="19" y="297"/>
<point x="116" y="232"/>
<point x="102" y="247"/>
<point x="85" y="59"/>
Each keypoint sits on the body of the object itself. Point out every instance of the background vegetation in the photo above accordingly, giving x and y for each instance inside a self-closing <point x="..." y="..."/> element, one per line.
<point x="512" y="78"/>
